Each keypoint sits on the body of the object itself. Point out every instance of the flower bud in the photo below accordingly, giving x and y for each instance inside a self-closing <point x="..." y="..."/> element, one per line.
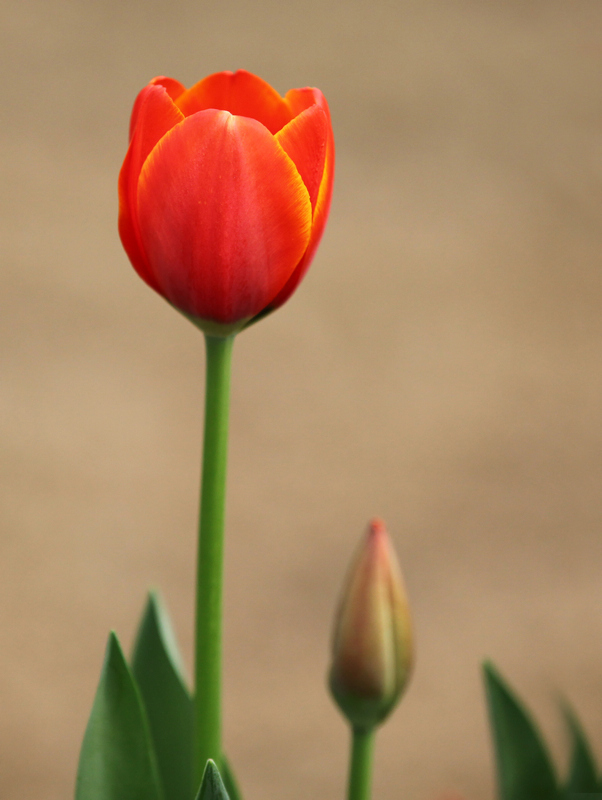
<point x="372" y="643"/>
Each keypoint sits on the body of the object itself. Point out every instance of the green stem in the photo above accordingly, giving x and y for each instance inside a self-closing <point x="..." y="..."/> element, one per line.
<point x="208" y="638"/>
<point x="360" y="769"/>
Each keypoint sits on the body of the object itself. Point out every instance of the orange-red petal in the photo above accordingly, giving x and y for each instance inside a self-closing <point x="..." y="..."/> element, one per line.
<point x="173" y="88"/>
<point x="305" y="139"/>
<point x="156" y="115"/>
<point x="240" y="93"/>
<point x="298" y="100"/>
<point x="322" y="206"/>
<point x="224" y="216"/>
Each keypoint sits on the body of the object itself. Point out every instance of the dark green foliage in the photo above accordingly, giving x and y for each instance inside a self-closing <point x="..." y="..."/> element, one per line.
<point x="212" y="786"/>
<point x="582" y="776"/>
<point x="117" y="760"/>
<point x="524" y="769"/>
<point x="230" y="781"/>
<point x="139" y="740"/>
<point x="156" y="665"/>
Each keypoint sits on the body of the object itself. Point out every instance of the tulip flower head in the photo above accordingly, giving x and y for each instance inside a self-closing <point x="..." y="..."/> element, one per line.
<point x="224" y="194"/>
<point x="372" y="643"/>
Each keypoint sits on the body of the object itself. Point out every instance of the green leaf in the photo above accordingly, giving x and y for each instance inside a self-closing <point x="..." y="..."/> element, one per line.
<point x="582" y="771"/>
<point x="524" y="768"/>
<point x="157" y="667"/>
<point x="230" y="781"/>
<point x="212" y="786"/>
<point x="117" y="760"/>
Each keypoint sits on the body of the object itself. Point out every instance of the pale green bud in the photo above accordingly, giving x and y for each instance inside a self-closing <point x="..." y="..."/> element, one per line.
<point x="372" y="644"/>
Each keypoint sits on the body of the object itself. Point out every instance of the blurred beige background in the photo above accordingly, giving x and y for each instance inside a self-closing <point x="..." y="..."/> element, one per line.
<point x="440" y="366"/>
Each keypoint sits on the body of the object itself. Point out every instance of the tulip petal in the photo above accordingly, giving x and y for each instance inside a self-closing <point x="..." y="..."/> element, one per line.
<point x="299" y="99"/>
<point x="320" y="216"/>
<point x="156" y="115"/>
<point x="224" y="216"/>
<point x="173" y="88"/>
<point x="304" y="139"/>
<point x="240" y="93"/>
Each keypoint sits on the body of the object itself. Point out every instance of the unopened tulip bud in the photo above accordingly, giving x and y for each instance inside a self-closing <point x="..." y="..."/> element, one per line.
<point x="372" y="644"/>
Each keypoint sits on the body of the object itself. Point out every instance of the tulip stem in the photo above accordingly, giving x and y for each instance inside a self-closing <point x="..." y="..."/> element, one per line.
<point x="208" y="638"/>
<point x="360" y="768"/>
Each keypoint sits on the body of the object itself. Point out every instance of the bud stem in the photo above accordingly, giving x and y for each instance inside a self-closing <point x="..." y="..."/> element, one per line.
<point x="208" y="634"/>
<point x="360" y="768"/>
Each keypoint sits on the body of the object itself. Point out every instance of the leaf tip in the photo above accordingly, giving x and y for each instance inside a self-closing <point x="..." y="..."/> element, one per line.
<point x="114" y="650"/>
<point x="212" y="786"/>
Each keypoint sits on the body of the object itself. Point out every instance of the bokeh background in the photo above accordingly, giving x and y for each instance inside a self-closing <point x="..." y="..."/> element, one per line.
<point x="440" y="366"/>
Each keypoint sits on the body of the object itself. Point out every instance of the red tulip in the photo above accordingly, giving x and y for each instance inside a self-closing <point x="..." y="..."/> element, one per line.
<point x="224" y="194"/>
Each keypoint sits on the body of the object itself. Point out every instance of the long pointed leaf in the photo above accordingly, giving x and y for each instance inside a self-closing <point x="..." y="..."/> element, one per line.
<point x="212" y="786"/>
<point x="582" y="771"/>
<point x="117" y="760"/>
<point x="156" y="665"/>
<point x="229" y="778"/>
<point x="524" y="768"/>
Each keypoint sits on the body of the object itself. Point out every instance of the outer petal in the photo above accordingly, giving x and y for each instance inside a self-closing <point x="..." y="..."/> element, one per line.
<point x="224" y="216"/>
<point x="304" y="139"/>
<point x="156" y="115"/>
<point x="322" y="206"/>
<point x="173" y="88"/>
<point x="298" y="100"/>
<point x="240" y="93"/>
